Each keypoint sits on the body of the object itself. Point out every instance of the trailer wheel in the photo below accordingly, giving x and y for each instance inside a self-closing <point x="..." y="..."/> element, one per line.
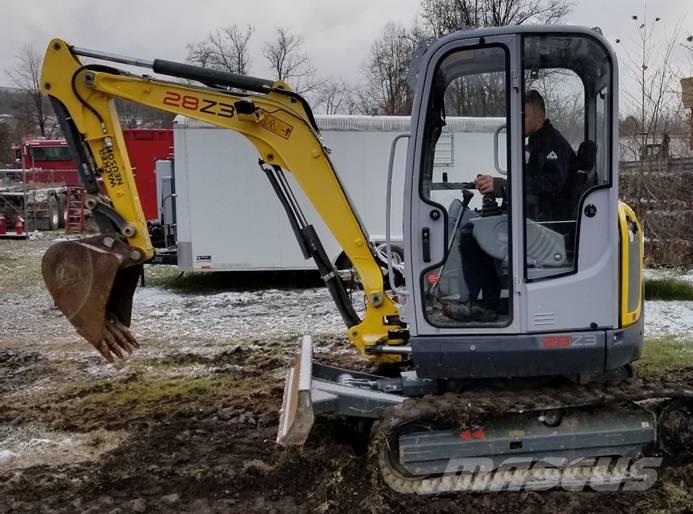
<point x="62" y="203"/>
<point x="53" y="213"/>
<point x="343" y="263"/>
<point x="397" y="258"/>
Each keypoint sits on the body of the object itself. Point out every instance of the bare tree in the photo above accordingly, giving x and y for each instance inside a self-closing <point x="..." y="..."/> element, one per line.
<point x="688" y="44"/>
<point x="654" y="102"/>
<point x="134" y="115"/>
<point x="386" y="71"/>
<point x="335" y="97"/>
<point x="288" y="62"/>
<point x="8" y="137"/>
<point x="224" y="49"/>
<point x="563" y="92"/>
<point x="440" y="17"/>
<point x="129" y="113"/>
<point x="24" y="117"/>
<point x="26" y="75"/>
<point x="364" y="103"/>
<point x="654" y="185"/>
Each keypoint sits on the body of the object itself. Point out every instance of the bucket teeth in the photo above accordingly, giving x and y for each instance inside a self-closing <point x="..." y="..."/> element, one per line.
<point x="116" y="337"/>
<point x="92" y="282"/>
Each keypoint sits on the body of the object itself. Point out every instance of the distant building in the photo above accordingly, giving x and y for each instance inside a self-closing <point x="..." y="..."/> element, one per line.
<point x="661" y="146"/>
<point x="10" y="90"/>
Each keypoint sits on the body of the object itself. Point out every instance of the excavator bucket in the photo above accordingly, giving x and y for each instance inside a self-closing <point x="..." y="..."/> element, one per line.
<point x="92" y="282"/>
<point x="296" y="416"/>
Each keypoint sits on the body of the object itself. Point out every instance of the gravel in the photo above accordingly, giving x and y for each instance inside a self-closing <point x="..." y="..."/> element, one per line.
<point x="258" y="314"/>
<point x="207" y="322"/>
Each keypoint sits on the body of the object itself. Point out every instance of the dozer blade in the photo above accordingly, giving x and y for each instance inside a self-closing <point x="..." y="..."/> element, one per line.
<point x="92" y="282"/>
<point x="296" y="416"/>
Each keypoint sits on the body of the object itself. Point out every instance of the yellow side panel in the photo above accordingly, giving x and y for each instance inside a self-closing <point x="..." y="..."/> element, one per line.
<point x="632" y="252"/>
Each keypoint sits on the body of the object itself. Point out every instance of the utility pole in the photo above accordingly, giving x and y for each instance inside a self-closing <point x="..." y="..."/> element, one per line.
<point x="642" y="82"/>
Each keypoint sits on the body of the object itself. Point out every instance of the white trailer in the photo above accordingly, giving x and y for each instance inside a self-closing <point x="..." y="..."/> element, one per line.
<point x="229" y="219"/>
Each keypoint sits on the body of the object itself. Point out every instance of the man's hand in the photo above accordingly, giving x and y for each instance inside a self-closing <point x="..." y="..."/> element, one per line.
<point x="484" y="183"/>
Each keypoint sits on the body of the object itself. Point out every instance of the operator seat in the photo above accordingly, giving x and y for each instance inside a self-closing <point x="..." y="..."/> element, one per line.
<point x="567" y="201"/>
<point x="581" y="176"/>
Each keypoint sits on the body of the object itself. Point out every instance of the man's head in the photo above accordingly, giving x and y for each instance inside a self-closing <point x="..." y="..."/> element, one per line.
<point x="535" y="111"/>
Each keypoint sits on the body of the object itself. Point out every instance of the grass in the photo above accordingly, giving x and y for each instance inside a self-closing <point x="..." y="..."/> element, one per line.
<point x="144" y="395"/>
<point x="168" y="277"/>
<point x="664" y="354"/>
<point x="677" y="498"/>
<point x="668" y="289"/>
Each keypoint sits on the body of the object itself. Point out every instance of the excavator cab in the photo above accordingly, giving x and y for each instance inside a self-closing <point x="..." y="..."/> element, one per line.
<point x="492" y="280"/>
<point x="536" y="281"/>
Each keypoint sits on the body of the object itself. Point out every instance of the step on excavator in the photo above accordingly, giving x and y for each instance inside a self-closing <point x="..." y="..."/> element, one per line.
<point x="513" y="337"/>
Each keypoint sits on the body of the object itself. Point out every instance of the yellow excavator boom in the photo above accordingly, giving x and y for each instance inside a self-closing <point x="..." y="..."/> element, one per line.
<point x="276" y="121"/>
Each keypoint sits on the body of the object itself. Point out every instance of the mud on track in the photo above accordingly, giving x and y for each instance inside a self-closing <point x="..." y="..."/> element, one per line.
<point x="189" y="426"/>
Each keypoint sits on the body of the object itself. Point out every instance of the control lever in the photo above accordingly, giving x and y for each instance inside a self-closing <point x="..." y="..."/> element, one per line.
<point x="489" y="206"/>
<point x="467" y="196"/>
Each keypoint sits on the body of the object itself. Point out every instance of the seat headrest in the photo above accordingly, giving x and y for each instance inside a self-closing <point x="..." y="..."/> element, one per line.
<point x="586" y="155"/>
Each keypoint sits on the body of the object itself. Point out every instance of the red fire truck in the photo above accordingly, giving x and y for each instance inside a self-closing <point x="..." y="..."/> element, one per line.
<point x="46" y="174"/>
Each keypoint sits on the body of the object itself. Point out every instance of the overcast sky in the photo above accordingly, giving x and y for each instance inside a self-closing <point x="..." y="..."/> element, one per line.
<point x="337" y="34"/>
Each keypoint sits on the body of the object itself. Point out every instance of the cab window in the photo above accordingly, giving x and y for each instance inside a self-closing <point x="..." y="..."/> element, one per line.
<point x="566" y="112"/>
<point x="465" y="137"/>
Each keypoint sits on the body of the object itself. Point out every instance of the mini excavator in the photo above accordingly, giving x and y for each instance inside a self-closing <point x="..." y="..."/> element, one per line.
<point x="541" y="381"/>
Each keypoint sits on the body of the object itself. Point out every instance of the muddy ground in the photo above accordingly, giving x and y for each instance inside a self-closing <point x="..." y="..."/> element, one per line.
<point x="188" y="423"/>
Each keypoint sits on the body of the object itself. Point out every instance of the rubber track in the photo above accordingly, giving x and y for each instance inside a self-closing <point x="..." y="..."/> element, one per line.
<point x="470" y="407"/>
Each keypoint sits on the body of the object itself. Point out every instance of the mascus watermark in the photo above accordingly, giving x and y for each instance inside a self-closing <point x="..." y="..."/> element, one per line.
<point x="526" y="474"/>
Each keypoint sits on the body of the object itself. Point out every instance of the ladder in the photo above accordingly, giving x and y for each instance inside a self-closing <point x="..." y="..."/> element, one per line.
<point x="74" y="211"/>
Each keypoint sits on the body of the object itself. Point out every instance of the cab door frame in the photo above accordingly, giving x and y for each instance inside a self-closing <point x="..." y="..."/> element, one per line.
<point x="424" y="219"/>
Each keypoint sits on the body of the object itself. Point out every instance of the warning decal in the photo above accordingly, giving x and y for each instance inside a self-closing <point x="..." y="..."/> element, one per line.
<point x="277" y="126"/>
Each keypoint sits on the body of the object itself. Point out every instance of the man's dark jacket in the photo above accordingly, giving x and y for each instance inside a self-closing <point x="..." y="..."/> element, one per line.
<point x="549" y="162"/>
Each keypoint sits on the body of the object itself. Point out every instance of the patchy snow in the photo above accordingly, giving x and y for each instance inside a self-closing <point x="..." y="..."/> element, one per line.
<point x="293" y="312"/>
<point x="669" y="319"/>
<point x="164" y="320"/>
<point x="664" y="273"/>
<point x="31" y="445"/>
<point x="270" y="313"/>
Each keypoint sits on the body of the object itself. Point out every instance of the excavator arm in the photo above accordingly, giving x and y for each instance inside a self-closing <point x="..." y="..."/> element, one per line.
<point x="93" y="280"/>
